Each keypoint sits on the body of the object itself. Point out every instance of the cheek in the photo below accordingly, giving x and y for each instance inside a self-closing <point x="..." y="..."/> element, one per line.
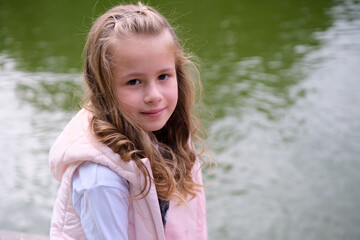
<point x="176" y="97"/>
<point x="127" y="102"/>
<point x="174" y="94"/>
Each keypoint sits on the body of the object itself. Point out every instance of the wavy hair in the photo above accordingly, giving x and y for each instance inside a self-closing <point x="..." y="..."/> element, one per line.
<point x="172" y="161"/>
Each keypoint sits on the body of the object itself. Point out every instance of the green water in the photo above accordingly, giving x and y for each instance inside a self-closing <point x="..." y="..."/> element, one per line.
<point x="281" y="85"/>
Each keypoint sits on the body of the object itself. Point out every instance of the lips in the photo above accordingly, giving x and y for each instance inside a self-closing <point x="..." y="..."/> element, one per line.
<point x="153" y="112"/>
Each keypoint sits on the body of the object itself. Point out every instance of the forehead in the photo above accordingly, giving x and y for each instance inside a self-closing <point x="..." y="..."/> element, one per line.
<point x="119" y="43"/>
<point x="142" y="53"/>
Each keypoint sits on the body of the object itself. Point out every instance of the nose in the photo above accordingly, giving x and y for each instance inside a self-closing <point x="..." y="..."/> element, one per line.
<point x="152" y="93"/>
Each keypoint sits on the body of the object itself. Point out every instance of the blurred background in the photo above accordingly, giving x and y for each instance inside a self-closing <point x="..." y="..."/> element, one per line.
<point x="281" y="79"/>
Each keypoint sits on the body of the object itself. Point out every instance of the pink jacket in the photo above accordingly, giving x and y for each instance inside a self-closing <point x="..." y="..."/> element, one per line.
<point x="76" y="145"/>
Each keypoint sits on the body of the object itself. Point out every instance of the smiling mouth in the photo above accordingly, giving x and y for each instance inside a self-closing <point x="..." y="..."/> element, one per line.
<point x="154" y="112"/>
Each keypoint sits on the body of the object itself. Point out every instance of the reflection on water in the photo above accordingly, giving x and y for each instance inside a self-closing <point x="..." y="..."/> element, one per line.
<point x="26" y="189"/>
<point x="46" y="35"/>
<point x="281" y="78"/>
<point x="51" y="95"/>
<point x="256" y="52"/>
<point x="288" y="155"/>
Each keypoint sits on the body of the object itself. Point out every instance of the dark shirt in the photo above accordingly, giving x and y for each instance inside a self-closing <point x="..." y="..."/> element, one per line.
<point x="164" y="207"/>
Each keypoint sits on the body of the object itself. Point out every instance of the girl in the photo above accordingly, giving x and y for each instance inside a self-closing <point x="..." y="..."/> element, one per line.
<point x="126" y="163"/>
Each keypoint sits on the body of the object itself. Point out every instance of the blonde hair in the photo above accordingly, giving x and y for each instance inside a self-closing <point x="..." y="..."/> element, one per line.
<point x="171" y="165"/>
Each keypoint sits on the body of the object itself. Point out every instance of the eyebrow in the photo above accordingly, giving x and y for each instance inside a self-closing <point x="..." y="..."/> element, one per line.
<point x="133" y="74"/>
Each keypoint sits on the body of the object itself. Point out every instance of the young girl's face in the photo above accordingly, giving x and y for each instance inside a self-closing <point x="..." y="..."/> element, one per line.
<point x="145" y="79"/>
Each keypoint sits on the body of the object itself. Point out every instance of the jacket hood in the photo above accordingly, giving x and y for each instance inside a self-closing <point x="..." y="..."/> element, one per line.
<point x="76" y="144"/>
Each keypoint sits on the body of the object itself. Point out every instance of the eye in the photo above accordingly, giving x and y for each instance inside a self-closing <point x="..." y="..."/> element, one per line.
<point x="133" y="82"/>
<point x="163" y="77"/>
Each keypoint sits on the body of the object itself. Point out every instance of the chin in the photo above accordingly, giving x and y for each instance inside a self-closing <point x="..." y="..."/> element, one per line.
<point x="153" y="128"/>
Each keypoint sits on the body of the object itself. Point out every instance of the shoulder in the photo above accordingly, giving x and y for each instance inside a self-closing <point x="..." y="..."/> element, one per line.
<point x="71" y="145"/>
<point x="89" y="175"/>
